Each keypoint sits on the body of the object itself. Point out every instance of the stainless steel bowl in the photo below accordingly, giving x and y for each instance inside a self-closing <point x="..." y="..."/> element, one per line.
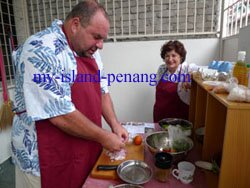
<point x="160" y="142"/>
<point x="126" y="186"/>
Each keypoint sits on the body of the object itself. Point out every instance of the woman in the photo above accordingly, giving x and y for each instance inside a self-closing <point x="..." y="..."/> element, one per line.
<point x="172" y="80"/>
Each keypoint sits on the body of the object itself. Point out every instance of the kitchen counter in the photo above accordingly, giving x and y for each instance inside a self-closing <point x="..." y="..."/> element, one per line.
<point x="198" y="182"/>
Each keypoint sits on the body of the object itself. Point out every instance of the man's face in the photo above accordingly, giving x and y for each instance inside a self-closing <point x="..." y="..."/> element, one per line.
<point x="86" y="40"/>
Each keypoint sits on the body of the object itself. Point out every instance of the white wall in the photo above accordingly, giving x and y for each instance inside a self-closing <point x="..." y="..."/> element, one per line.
<point x="240" y="42"/>
<point x="244" y="41"/>
<point x="230" y="48"/>
<point x="134" y="101"/>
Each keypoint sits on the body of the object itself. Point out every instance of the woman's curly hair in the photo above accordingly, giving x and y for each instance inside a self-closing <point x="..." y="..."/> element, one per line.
<point x="175" y="45"/>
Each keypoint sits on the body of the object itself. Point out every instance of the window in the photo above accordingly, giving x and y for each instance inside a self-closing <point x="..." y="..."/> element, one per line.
<point x="7" y="36"/>
<point x="236" y="15"/>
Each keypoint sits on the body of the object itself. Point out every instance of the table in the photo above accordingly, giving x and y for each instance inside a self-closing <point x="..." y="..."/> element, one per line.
<point x="198" y="182"/>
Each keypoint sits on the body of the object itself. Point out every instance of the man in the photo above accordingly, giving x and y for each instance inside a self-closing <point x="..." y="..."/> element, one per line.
<point x="57" y="131"/>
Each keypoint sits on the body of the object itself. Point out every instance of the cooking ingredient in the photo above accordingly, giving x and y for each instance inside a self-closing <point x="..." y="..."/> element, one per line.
<point x="240" y="70"/>
<point x="138" y="140"/>
<point x="180" y="145"/>
<point x="184" y="127"/>
<point x="117" y="155"/>
<point x="167" y="149"/>
<point x="239" y="94"/>
<point x="208" y="166"/>
<point x="162" y="174"/>
<point x="204" y="165"/>
<point x="163" y="163"/>
<point x="165" y="127"/>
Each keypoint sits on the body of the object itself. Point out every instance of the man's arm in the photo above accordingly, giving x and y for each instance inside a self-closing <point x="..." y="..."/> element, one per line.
<point x="110" y="117"/>
<point x="76" y="124"/>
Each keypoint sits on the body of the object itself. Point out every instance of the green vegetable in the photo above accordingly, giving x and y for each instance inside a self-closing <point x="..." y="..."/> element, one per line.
<point x="180" y="145"/>
<point x="215" y="167"/>
<point x="208" y="166"/>
<point x="165" y="126"/>
<point x="185" y="128"/>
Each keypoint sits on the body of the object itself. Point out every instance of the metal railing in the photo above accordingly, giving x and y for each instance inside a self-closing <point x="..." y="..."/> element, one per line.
<point x="8" y="35"/>
<point x="140" y="19"/>
<point x="130" y="19"/>
<point x="236" y="15"/>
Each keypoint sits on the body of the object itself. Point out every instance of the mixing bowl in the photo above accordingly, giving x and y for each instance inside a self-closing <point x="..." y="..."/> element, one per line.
<point x="160" y="142"/>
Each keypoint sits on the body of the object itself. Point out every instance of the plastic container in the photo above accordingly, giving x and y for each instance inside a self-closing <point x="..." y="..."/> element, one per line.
<point x="163" y="165"/>
<point x="240" y="70"/>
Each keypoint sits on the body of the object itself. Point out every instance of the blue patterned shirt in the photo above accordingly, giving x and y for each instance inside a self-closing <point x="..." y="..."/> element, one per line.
<point x="41" y="92"/>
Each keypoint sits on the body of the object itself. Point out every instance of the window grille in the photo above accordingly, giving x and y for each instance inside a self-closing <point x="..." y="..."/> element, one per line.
<point x="7" y="36"/>
<point x="129" y="19"/>
<point x="236" y="15"/>
<point x="162" y="18"/>
<point x="13" y="31"/>
<point x="138" y="18"/>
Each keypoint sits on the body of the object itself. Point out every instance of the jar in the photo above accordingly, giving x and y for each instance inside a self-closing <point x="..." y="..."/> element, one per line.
<point x="163" y="164"/>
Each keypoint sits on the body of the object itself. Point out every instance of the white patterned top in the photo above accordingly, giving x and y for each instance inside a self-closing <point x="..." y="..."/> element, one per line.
<point x="42" y="90"/>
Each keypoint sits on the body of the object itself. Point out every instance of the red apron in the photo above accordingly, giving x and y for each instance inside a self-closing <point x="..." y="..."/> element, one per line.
<point x="65" y="160"/>
<point x="167" y="103"/>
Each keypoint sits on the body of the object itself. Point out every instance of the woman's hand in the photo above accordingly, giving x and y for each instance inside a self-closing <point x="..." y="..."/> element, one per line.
<point x="186" y="85"/>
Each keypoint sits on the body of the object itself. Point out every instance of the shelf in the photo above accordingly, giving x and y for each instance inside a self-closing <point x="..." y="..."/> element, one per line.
<point x="227" y="130"/>
<point x="212" y="179"/>
<point x="220" y="97"/>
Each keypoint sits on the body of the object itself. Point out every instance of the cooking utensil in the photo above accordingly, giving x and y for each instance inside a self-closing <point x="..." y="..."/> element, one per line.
<point x="126" y="186"/>
<point x="134" y="171"/>
<point x="131" y="171"/>
<point x="107" y="167"/>
<point x="160" y="142"/>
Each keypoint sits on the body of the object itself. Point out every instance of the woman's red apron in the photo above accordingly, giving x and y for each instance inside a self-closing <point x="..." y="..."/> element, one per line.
<point x="65" y="160"/>
<point x="167" y="103"/>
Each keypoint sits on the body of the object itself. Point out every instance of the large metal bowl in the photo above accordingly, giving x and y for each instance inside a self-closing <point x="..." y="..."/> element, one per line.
<point x="185" y="125"/>
<point x="160" y="142"/>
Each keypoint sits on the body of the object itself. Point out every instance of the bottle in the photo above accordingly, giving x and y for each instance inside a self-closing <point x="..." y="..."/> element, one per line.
<point x="248" y="74"/>
<point x="163" y="164"/>
<point x="240" y="70"/>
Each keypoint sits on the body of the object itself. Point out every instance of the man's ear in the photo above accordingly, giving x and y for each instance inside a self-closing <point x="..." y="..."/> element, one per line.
<point x="75" y="24"/>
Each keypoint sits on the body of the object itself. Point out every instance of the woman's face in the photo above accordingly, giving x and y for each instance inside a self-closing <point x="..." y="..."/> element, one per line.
<point x="172" y="60"/>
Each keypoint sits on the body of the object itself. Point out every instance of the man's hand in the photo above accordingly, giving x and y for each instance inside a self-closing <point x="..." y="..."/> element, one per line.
<point x="113" y="142"/>
<point x="119" y="130"/>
